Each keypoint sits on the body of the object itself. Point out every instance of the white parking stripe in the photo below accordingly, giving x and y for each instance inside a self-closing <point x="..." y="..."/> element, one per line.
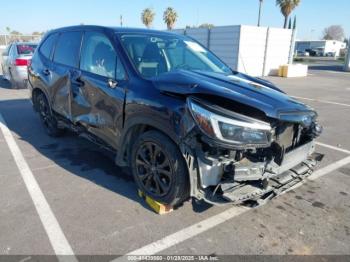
<point x="334" y="148"/>
<point x="187" y="232"/>
<point x="216" y="220"/>
<point x="322" y="101"/>
<point x="53" y="230"/>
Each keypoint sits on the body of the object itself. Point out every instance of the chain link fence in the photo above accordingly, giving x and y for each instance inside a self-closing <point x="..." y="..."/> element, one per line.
<point x="8" y="38"/>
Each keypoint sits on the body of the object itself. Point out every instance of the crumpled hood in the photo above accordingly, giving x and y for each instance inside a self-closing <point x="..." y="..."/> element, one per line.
<point x="244" y="89"/>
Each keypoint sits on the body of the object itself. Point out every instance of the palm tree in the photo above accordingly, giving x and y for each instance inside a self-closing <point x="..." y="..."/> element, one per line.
<point x="260" y="5"/>
<point x="287" y="6"/>
<point x="170" y="17"/>
<point x="147" y="17"/>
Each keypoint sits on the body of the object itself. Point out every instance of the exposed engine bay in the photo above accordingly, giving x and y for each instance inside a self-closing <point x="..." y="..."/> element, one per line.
<point x="237" y="173"/>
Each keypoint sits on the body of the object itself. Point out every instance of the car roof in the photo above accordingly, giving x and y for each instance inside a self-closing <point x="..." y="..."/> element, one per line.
<point x="115" y="29"/>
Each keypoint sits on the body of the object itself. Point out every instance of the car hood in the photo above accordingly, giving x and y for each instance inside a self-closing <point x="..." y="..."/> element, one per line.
<point x="253" y="92"/>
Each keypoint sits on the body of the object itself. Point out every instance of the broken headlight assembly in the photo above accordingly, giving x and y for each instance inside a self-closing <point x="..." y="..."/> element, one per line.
<point x="230" y="127"/>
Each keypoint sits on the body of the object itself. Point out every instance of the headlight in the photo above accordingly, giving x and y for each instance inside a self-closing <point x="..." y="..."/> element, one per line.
<point x="235" y="129"/>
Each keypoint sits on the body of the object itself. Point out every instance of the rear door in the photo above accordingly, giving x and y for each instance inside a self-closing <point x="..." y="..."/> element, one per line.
<point x="99" y="88"/>
<point x="4" y="62"/>
<point x="64" y="71"/>
<point x="39" y="72"/>
<point x="10" y="61"/>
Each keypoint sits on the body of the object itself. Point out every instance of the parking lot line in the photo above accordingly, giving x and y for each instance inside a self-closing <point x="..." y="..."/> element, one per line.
<point x="333" y="147"/>
<point x="216" y="220"/>
<point x="53" y="230"/>
<point x="322" y="101"/>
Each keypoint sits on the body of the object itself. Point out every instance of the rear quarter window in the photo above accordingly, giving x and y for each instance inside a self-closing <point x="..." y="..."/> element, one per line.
<point x="26" y="49"/>
<point x="47" y="47"/>
<point x="67" y="49"/>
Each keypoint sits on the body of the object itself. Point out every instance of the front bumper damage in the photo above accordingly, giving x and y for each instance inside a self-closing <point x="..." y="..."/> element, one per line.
<point x="221" y="180"/>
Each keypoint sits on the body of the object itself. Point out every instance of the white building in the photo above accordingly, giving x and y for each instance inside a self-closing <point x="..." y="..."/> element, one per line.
<point x="323" y="46"/>
<point x="257" y="51"/>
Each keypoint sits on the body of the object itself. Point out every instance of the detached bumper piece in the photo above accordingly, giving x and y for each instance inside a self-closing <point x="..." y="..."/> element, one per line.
<point x="258" y="192"/>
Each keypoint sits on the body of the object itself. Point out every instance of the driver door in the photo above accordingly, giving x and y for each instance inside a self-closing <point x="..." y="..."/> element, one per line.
<point x="98" y="88"/>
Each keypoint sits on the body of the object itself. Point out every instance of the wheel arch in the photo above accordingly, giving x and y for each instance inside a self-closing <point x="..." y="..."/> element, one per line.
<point x="35" y="92"/>
<point x="133" y="129"/>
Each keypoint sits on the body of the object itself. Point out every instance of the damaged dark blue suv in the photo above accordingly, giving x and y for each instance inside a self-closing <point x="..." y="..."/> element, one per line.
<point x="182" y="120"/>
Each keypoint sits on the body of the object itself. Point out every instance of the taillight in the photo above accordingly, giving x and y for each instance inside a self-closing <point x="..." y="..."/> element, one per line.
<point x="21" y="62"/>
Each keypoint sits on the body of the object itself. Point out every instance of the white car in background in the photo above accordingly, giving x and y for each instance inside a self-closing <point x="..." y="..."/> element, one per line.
<point x="15" y="61"/>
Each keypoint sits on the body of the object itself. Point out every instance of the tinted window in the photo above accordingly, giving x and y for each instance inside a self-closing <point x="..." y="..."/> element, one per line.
<point x="67" y="49"/>
<point x="99" y="57"/>
<point x="154" y="55"/>
<point x="26" y="49"/>
<point x="46" y="47"/>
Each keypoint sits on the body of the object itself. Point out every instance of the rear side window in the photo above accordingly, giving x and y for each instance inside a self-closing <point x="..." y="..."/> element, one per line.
<point x="99" y="57"/>
<point x="26" y="49"/>
<point x="46" y="47"/>
<point x="67" y="49"/>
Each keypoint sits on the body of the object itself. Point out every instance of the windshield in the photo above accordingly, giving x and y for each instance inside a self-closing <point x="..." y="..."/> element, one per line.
<point x="26" y="49"/>
<point x="153" y="55"/>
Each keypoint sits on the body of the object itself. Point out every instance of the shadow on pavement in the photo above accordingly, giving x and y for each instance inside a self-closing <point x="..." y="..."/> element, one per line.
<point x="76" y="155"/>
<point x="336" y="68"/>
<point x="5" y="83"/>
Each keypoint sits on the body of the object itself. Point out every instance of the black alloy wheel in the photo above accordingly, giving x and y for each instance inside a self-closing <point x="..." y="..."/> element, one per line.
<point x="153" y="169"/>
<point x="159" y="168"/>
<point x="47" y="118"/>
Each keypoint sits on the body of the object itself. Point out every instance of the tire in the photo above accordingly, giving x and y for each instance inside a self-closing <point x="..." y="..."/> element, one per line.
<point x="165" y="167"/>
<point x="47" y="118"/>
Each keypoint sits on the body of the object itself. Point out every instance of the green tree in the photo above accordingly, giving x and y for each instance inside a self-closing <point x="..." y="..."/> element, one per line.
<point x="295" y="22"/>
<point x="206" y="25"/>
<point x="334" y="32"/>
<point x="287" y="7"/>
<point x="260" y="9"/>
<point x="147" y="17"/>
<point x="14" y="32"/>
<point x="290" y="23"/>
<point x="8" y="29"/>
<point x="170" y="17"/>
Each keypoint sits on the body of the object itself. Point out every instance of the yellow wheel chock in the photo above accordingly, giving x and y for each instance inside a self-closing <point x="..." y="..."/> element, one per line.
<point x="157" y="207"/>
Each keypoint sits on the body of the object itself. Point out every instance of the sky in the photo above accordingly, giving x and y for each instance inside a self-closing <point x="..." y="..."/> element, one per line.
<point x="39" y="15"/>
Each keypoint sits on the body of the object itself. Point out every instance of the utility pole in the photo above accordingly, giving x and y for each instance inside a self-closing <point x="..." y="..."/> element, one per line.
<point x="121" y="20"/>
<point x="347" y="60"/>
<point x="260" y="5"/>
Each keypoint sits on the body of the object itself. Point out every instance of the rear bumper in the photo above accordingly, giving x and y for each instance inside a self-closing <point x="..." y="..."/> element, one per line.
<point x="20" y="76"/>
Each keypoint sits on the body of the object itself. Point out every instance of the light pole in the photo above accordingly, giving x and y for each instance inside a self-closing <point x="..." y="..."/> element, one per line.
<point x="347" y="59"/>
<point x="260" y="5"/>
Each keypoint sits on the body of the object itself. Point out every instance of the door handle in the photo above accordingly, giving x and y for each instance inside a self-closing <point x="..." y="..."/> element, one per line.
<point x="112" y="83"/>
<point x="46" y="72"/>
<point x="76" y="78"/>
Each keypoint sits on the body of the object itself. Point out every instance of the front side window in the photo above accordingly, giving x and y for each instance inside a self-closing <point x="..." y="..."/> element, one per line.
<point x="67" y="49"/>
<point x="99" y="57"/>
<point x="153" y="55"/>
<point x="47" y="46"/>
